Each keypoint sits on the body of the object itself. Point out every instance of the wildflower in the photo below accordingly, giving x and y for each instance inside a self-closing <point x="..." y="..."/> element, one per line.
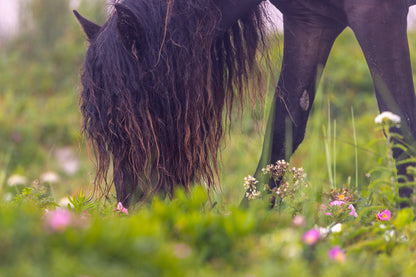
<point x="298" y="221"/>
<point x="353" y="212"/>
<point x="49" y="177"/>
<point x="337" y="254"/>
<point x="336" y="228"/>
<point x="58" y="220"/>
<point x="387" y="117"/>
<point x="64" y="202"/>
<point x="120" y="208"/>
<point x="16" y="180"/>
<point x="253" y="194"/>
<point x="250" y="185"/>
<point x="311" y="237"/>
<point x="336" y="203"/>
<point x="384" y="215"/>
<point x="85" y="215"/>
<point x="324" y="231"/>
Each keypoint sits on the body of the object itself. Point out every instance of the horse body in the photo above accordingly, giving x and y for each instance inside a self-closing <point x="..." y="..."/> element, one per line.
<point x="310" y="29"/>
<point x="161" y="140"/>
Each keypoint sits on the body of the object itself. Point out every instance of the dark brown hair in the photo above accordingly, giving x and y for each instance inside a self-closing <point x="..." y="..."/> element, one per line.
<point x="159" y="83"/>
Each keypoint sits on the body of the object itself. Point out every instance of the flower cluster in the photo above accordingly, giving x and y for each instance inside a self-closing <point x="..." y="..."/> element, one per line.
<point x="16" y="180"/>
<point x="342" y="194"/>
<point x="288" y="180"/>
<point x="341" y="201"/>
<point x="388" y="118"/>
<point x="311" y="237"/>
<point x="59" y="220"/>
<point x="120" y="208"/>
<point x="250" y="185"/>
<point x="276" y="171"/>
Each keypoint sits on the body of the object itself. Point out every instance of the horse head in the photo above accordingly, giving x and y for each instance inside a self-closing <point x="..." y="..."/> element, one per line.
<point x="157" y="80"/>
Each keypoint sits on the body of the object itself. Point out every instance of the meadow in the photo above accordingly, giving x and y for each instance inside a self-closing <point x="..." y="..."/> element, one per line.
<point x="338" y="216"/>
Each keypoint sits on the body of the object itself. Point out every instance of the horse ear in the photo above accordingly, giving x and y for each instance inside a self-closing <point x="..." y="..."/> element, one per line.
<point x="90" y="28"/>
<point x="130" y="29"/>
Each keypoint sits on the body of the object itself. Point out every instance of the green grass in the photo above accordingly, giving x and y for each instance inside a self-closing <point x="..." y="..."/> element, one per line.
<point x="191" y="235"/>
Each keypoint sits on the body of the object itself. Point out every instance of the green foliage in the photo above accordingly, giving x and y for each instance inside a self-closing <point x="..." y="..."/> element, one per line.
<point x="82" y="203"/>
<point x="194" y="234"/>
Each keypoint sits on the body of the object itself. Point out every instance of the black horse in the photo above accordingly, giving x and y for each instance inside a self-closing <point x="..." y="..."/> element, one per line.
<point x="310" y="29"/>
<point x="231" y="30"/>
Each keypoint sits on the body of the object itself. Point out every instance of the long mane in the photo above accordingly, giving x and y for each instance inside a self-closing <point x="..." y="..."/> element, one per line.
<point x="159" y="115"/>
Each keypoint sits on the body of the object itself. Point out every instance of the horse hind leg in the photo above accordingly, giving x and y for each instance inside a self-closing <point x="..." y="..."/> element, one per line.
<point x="307" y="43"/>
<point x="381" y="30"/>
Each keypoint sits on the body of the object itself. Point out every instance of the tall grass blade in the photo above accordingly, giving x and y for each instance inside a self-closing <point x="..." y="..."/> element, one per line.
<point x="355" y="147"/>
<point x="328" y="143"/>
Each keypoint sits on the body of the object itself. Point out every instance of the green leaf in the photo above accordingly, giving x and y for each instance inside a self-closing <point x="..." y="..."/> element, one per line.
<point x="403" y="218"/>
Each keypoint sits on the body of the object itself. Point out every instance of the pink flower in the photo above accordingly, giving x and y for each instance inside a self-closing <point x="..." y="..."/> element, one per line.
<point x="336" y="203"/>
<point x="337" y="254"/>
<point x="298" y="221"/>
<point x="120" y="208"/>
<point x="311" y="237"/>
<point x="353" y="212"/>
<point x="384" y="215"/>
<point x="58" y="220"/>
<point x="85" y="215"/>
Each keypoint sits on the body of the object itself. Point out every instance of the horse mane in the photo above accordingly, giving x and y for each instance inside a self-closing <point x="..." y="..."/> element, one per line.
<point x="159" y="114"/>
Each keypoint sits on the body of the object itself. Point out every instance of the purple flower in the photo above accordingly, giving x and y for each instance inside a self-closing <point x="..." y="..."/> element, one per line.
<point x="120" y="208"/>
<point x="384" y="215"/>
<point x="337" y="254"/>
<point x="336" y="203"/>
<point x="353" y="212"/>
<point x="298" y="221"/>
<point x="58" y="220"/>
<point x="311" y="237"/>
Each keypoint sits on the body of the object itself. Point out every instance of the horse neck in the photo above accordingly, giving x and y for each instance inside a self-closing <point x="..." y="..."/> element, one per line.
<point x="232" y="10"/>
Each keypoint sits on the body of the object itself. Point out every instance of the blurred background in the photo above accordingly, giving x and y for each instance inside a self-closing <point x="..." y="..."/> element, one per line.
<point x="41" y="55"/>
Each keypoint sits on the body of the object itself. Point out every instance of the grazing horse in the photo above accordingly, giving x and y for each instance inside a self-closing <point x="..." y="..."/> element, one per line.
<point x="159" y="74"/>
<point x="310" y="29"/>
<point x="157" y="79"/>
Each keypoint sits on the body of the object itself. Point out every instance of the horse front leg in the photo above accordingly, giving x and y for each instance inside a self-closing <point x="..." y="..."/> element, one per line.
<point x="381" y="29"/>
<point x="308" y="40"/>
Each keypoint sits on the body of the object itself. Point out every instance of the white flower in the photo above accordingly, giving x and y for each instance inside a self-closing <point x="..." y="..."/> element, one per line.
<point x="325" y="231"/>
<point x="389" y="235"/>
<point x="16" y="180"/>
<point x="49" y="177"/>
<point x="64" y="203"/>
<point x="387" y="117"/>
<point x="336" y="228"/>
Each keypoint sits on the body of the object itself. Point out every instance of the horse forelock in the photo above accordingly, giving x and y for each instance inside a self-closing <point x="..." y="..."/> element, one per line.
<point x="161" y="112"/>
